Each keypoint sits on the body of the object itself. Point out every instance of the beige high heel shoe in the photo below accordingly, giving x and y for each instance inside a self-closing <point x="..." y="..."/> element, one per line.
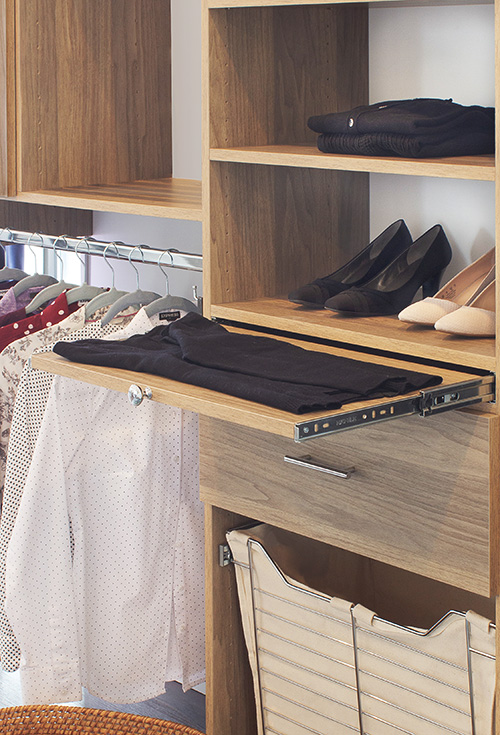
<point x="458" y="292"/>
<point x="476" y="319"/>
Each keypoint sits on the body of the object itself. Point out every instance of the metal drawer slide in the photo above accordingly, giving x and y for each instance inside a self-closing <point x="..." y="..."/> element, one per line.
<point x="426" y="403"/>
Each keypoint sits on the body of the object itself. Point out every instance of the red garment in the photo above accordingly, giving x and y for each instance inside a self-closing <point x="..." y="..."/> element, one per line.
<point x="13" y="316"/>
<point x="52" y="314"/>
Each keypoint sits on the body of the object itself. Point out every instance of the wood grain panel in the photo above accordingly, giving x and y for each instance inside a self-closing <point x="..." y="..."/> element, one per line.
<point x="495" y="507"/>
<point x="230" y="698"/>
<point x="379" y="333"/>
<point x="419" y="497"/>
<point x="44" y="219"/>
<point x="271" y="68"/>
<point x="172" y="198"/>
<point x="272" y="227"/>
<point x="481" y="168"/>
<point x="7" y="100"/>
<point x="93" y="92"/>
<point x="371" y="3"/>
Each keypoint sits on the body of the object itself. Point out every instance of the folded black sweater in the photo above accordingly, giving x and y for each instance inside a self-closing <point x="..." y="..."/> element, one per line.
<point x="417" y="128"/>
<point x="200" y="352"/>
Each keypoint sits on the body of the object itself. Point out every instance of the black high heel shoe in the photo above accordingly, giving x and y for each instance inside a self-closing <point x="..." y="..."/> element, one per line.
<point x="359" y="270"/>
<point x="420" y="265"/>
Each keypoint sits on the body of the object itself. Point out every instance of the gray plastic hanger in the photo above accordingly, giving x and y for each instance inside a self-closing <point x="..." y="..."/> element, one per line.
<point x="10" y="274"/>
<point x="135" y="298"/>
<point x="107" y="298"/>
<point x="37" y="280"/>
<point x="51" y="292"/>
<point x="83" y="292"/>
<point x="169" y="302"/>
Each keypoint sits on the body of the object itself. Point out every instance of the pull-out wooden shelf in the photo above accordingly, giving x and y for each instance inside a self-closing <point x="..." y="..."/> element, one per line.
<point x="457" y="389"/>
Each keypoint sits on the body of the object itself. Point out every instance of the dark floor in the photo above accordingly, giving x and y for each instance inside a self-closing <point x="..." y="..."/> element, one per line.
<point x="186" y="708"/>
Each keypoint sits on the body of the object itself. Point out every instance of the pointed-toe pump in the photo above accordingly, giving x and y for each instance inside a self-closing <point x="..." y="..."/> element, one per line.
<point x="459" y="291"/>
<point x="360" y="269"/>
<point x="475" y="319"/>
<point x="419" y="266"/>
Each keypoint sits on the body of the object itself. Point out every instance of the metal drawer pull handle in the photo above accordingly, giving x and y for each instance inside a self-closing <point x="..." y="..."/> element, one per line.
<point x="136" y="395"/>
<point x="305" y="461"/>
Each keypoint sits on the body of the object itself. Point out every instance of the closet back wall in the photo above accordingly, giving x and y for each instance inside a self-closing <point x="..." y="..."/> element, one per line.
<point x="430" y="52"/>
<point x="186" y="142"/>
<point x="413" y="52"/>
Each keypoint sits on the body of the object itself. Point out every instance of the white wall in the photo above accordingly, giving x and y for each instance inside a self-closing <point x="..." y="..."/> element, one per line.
<point x="414" y="52"/>
<point x="445" y="52"/>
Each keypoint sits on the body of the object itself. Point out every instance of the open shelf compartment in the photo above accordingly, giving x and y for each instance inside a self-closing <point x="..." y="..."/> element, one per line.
<point x="91" y="91"/>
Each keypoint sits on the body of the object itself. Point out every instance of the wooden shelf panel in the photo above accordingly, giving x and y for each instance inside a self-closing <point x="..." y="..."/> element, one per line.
<point x="220" y="405"/>
<point x="379" y="333"/>
<point x="171" y="198"/>
<point x="93" y="92"/>
<point x="305" y="156"/>
<point x="371" y="3"/>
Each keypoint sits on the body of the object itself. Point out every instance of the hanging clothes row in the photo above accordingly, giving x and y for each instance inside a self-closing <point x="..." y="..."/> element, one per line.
<point x="101" y="533"/>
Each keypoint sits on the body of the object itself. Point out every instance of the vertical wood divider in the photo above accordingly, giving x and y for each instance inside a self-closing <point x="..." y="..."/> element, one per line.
<point x="230" y="697"/>
<point x="7" y="99"/>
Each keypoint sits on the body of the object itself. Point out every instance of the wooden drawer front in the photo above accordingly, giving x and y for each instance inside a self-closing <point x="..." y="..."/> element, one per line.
<point x="419" y="497"/>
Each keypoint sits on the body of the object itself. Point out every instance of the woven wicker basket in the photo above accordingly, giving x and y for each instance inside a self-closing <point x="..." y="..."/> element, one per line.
<point x="56" y="720"/>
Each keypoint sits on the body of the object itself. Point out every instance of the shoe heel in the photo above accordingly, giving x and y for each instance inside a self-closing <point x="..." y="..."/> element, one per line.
<point x="431" y="286"/>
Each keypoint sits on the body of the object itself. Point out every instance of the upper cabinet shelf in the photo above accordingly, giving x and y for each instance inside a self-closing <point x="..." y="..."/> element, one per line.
<point x="379" y="3"/>
<point x="88" y="107"/>
<point x="305" y="156"/>
<point x="172" y="198"/>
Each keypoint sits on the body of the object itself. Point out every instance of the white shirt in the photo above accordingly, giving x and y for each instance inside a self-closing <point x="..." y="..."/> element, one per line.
<point x="30" y="402"/>
<point x="12" y="360"/>
<point x="128" y="613"/>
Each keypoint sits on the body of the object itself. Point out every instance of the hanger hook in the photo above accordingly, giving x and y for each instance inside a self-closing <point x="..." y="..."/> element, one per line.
<point x="78" y="243"/>
<point x="109" y="264"/>
<point x="28" y="243"/>
<point x="139" y="248"/>
<point x="60" y="237"/>
<point x="162" y="268"/>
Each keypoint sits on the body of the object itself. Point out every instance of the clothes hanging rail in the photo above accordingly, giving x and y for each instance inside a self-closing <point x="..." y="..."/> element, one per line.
<point x="139" y="253"/>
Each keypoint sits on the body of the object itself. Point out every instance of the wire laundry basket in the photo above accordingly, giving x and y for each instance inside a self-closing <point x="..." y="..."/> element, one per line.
<point x="60" y="720"/>
<point x="325" y="665"/>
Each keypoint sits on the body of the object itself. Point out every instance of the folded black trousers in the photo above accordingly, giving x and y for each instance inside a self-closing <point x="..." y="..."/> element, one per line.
<point x="200" y="352"/>
<point x="407" y="146"/>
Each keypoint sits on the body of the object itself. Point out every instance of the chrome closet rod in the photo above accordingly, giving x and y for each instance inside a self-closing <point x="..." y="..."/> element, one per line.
<point x="138" y="253"/>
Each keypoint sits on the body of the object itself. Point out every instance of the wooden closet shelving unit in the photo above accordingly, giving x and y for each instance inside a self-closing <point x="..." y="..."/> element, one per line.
<point x="422" y="512"/>
<point x="277" y="214"/>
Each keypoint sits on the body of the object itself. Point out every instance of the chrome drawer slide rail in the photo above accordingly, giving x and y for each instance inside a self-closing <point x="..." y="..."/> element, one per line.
<point x="480" y="389"/>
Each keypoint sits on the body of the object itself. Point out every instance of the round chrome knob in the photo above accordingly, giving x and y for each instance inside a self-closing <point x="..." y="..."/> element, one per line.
<point x="136" y="394"/>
